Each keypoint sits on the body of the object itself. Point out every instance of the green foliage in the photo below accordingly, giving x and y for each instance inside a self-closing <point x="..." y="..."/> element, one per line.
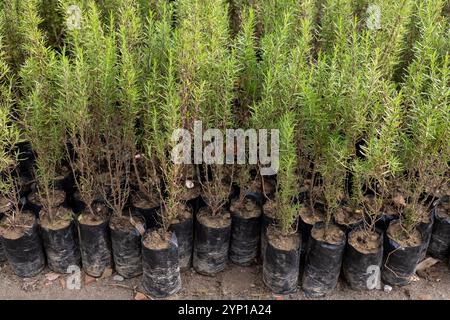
<point x="287" y="188"/>
<point x="425" y="149"/>
<point x="10" y="134"/>
<point x="363" y="113"/>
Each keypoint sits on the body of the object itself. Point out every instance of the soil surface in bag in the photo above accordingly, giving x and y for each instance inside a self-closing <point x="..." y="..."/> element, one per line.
<point x="308" y="218"/>
<point x="267" y="219"/>
<point x="323" y="260"/>
<point x="264" y="187"/>
<point x="426" y="228"/>
<point x="281" y="262"/>
<point x="183" y="227"/>
<point x="22" y="245"/>
<point x="245" y="231"/>
<point x="60" y="240"/>
<point x="34" y="201"/>
<point x="439" y="246"/>
<point x="147" y="208"/>
<point x="363" y="258"/>
<point x="390" y="213"/>
<point x="401" y="254"/>
<point x="212" y="241"/>
<point x="161" y="277"/>
<point x="126" y="242"/>
<point x="95" y="242"/>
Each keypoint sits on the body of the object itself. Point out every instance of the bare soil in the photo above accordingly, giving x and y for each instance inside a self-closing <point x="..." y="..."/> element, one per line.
<point x="412" y="239"/>
<point x="61" y="218"/>
<point x="282" y="242"/>
<point x="56" y="198"/>
<point x="139" y="200"/>
<point x="126" y="223"/>
<point x="348" y="216"/>
<point x="365" y="241"/>
<point x="246" y="209"/>
<point x="157" y="240"/>
<point x="218" y="221"/>
<point x="100" y="216"/>
<point x="23" y="222"/>
<point x="311" y="216"/>
<point x="233" y="283"/>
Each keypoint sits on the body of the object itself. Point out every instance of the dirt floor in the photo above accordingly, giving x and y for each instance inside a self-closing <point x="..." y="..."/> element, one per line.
<point x="234" y="283"/>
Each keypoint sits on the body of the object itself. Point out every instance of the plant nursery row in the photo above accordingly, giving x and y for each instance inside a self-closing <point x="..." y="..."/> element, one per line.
<point x="353" y="93"/>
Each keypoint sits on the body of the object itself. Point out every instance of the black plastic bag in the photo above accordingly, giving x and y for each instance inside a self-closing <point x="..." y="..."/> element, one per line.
<point x="439" y="246"/>
<point x="184" y="231"/>
<point x="211" y="246"/>
<point x="362" y="269"/>
<point x="399" y="262"/>
<point x="426" y="229"/>
<point x="281" y="268"/>
<point x="322" y="266"/>
<point x="95" y="247"/>
<point x="245" y="238"/>
<point x="61" y="247"/>
<point x="25" y="254"/>
<point x="127" y="251"/>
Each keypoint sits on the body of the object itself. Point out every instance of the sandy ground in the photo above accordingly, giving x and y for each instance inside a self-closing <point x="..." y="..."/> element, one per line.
<point x="234" y="283"/>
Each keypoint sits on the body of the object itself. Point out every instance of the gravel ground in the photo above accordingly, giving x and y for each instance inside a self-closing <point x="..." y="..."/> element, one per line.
<point x="234" y="283"/>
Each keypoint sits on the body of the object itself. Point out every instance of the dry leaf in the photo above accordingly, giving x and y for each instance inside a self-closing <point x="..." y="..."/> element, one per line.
<point x="425" y="264"/>
<point x="107" y="273"/>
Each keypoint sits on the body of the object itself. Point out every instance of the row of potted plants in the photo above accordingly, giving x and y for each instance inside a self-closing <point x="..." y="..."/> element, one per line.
<point x="89" y="107"/>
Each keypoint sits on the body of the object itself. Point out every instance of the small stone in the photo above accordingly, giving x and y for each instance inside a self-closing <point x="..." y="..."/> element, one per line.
<point x="189" y="184"/>
<point x="427" y="263"/>
<point x="118" y="278"/>
<point x="387" y="288"/>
